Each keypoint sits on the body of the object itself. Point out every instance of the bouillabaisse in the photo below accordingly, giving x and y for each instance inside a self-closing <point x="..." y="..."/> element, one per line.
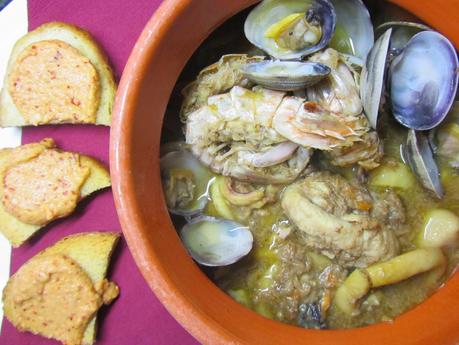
<point x="315" y="179"/>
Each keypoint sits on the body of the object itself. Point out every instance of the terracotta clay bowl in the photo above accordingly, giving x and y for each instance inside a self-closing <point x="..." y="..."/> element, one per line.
<point x="167" y="42"/>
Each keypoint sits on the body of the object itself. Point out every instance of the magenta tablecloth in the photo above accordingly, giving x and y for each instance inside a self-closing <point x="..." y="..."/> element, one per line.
<point x="137" y="317"/>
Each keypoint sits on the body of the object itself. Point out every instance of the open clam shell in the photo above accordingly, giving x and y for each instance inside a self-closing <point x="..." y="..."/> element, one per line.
<point x="185" y="182"/>
<point x="373" y="78"/>
<point x="270" y="12"/>
<point x="285" y="75"/>
<point x="216" y="242"/>
<point x="418" y="154"/>
<point x="402" y="32"/>
<point x="424" y="81"/>
<point x="354" y="29"/>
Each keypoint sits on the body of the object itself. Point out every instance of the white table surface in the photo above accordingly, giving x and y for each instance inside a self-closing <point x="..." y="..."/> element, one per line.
<point x="13" y="25"/>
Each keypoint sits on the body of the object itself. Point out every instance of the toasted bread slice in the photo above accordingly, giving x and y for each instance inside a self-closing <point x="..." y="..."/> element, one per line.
<point x="17" y="231"/>
<point x="99" y="177"/>
<point x="91" y="252"/>
<point x="80" y="42"/>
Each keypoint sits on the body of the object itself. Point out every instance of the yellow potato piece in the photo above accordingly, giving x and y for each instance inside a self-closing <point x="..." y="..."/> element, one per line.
<point x="394" y="175"/>
<point x="440" y="229"/>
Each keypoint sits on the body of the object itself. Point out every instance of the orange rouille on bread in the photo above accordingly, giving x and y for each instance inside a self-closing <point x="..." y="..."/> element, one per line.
<point x="40" y="183"/>
<point x="57" y="74"/>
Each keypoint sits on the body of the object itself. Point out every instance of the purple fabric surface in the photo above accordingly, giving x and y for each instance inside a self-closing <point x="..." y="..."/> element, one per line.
<point x="136" y="317"/>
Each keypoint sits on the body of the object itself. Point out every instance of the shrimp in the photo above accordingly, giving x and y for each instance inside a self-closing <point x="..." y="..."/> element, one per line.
<point x="339" y="93"/>
<point x="366" y="153"/>
<point x="261" y="135"/>
<point x="308" y="124"/>
<point x="333" y="115"/>
<point x="233" y="135"/>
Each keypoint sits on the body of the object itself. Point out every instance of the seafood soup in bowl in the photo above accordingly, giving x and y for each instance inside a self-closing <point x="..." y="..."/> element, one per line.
<point x="293" y="180"/>
<point x="309" y="166"/>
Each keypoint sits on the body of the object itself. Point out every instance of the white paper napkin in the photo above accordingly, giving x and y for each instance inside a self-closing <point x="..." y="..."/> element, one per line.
<point x="13" y="25"/>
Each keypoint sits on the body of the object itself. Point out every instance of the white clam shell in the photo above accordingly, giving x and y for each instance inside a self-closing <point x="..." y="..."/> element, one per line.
<point x="424" y="81"/>
<point x="269" y="12"/>
<point x="285" y="75"/>
<point x="373" y="78"/>
<point x="418" y="154"/>
<point x="183" y="159"/>
<point x="353" y="17"/>
<point x="216" y="242"/>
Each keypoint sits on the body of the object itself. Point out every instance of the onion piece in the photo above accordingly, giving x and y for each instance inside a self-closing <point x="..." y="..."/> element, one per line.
<point x="399" y="268"/>
<point x="238" y="198"/>
<point x="219" y="200"/>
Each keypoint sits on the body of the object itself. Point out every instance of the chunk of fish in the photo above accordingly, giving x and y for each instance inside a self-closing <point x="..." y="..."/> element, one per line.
<point x="340" y="220"/>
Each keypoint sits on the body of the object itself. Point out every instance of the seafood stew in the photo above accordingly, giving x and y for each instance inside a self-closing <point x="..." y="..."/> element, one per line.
<point x="301" y="183"/>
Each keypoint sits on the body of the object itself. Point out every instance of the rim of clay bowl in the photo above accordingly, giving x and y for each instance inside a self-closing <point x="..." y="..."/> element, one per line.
<point x="424" y="324"/>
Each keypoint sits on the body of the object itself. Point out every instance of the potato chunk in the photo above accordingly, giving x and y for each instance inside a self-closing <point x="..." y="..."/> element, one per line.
<point x="394" y="175"/>
<point x="440" y="229"/>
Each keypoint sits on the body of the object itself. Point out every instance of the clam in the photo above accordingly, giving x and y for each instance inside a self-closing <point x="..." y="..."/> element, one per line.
<point x="373" y="78"/>
<point x="354" y="29"/>
<point x="285" y="75"/>
<point x="424" y="81"/>
<point x="418" y="154"/>
<point x="185" y="182"/>
<point x="291" y="29"/>
<point x="216" y="242"/>
<point x="402" y="32"/>
<point x="423" y="78"/>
